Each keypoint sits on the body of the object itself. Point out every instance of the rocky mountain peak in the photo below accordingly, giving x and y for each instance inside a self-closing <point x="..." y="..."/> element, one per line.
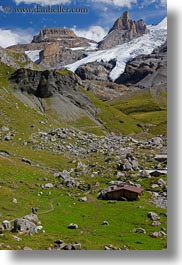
<point x="123" y="30"/>
<point x="53" y="34"/>
<point x="122" y="23"/>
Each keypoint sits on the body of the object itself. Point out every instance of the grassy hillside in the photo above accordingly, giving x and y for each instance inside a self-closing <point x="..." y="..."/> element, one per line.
<point x="147" y="108"/>
<point x="59" y="206"/>
<point x="113" y="119"/>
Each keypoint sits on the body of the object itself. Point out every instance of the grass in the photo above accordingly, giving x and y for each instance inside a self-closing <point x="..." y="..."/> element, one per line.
<point x="147" y="109"/>
<point x="5" y="72"/>
<point x="143" y="102"/>
<point x="63" y="71"/>
<point x="86" y="124"/>
<point x="112" y="119"/>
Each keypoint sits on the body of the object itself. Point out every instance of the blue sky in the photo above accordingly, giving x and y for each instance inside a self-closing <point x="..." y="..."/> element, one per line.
<point x="94" y="24"/>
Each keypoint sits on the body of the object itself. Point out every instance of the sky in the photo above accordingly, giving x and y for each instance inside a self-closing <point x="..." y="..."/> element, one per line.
<point x="21" y="19"/>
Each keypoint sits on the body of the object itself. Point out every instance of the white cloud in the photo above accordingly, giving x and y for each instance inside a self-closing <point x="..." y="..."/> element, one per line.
<point x="93" y="33"/>
<point x="158" y="3"/>
<point x="163" y="2"/>
<point x="119" y="3"/>
<point x="1" y="9"/>
<point x="9" y="37"/>
<point x="43" y="2"/>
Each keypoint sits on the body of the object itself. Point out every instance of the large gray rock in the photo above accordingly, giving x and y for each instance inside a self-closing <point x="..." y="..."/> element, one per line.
<point x="25" y="226"/>
<point x="146" y="70"/>
<point x="32" y="218"/>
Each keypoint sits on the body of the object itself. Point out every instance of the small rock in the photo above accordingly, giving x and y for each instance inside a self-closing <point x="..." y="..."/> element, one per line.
<point x="6" y="224"/>
<point x="161" y="158"/>
<point x="144" y="174"/>
<point x="140" y="230"/>
<point x="161" y="182"/>
<point x="27" y="161"/>
<point x="27" y="248"/>
<point x="154" y="186"/>
<point x="73" y="226"/>
<point x="58" y="242"/>
<point x="8" y="137"/>
<point x="83" y="199"/>
<point x="49" y="185"/>
<point x="14" y="200"/>
<point x="76" y="246"/>
<point x="17" y="238"/>
<point x="153" y="216"/>
<point x="158" y="234"/>
<point x="105" y="223"/>
<point x="156" y="223"/>
<point x="4" y="129"/>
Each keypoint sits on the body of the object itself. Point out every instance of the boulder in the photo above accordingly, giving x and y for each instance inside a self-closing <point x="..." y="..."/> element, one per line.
<point x="153" y="216"/>
<point x="32" y="218"/>
<point x="24" y="226"/>
<point x="6" y="224"/>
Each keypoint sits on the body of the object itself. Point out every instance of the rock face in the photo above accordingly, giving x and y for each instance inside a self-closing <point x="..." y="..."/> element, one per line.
<point x="64" y="36"/>
<point x="123" y="30"/>
<point x="146" y="70"/>
<point x="62" y="86"/>
<point x="10" y="58"/>
<point x="96" y="71"/>
<point x="58" y="47"/>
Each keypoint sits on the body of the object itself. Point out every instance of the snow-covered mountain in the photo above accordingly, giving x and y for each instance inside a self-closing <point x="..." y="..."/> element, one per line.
<point x="127" y="51"/>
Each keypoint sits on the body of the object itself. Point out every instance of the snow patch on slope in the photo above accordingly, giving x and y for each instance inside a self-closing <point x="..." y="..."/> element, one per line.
<point x="33" y="55"/>
<point x="127" y="51"/>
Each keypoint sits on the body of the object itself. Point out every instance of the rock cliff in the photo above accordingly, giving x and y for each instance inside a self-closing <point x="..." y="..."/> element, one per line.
<point x="123" y="30"/>
<point x="146" y="70"/>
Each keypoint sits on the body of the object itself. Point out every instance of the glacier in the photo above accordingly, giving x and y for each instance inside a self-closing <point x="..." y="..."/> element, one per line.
<point x="127" y="51"/>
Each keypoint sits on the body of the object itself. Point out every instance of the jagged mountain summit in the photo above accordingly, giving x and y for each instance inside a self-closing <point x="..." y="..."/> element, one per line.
<point x="123" y="30"/>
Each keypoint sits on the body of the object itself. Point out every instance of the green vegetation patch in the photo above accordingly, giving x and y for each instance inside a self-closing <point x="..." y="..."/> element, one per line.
<point x="112" y="119"/>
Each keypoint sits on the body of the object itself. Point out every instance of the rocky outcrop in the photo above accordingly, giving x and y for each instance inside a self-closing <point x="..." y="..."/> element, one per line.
<point x="106" y="90"/>
<point x="96" y="70"/>
<point x="146" y="70"/>
<point x="50" y="54"/>
<point x="14" y="58"/>
<point x="123" y="30"/>
<point x="65" y="37"/>
<point x="60" y="85"/>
